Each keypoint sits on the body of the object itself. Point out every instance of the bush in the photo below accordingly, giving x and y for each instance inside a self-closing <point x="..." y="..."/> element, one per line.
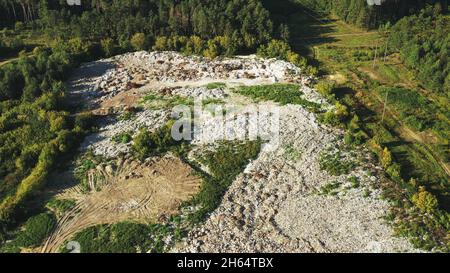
<point x="282" y="50"/>
<point x="330" y="188"/>
<point x="325" y="88"/>
<point x="161" y="44"/>
<point x="386" y="158"/>
<point x="335" y="164"/>
<point x="84" y="121"/>
<point x="108" y="47"/>
<point x="336" y="116"/>
<point x="123" y="138"/>
<point x="36" y="230"/>
<point x="212" y="50"/>
<point x="275" y="49"/>
<point x="425" y="201"/>
<point x="147" y="143"/>
<point x="138" y="41"/>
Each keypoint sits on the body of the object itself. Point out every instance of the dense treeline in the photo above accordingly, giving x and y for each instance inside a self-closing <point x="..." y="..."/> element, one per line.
<point x="358" y="12"/>
<point x="245" y="22"/>
<point x="424" y="44"/>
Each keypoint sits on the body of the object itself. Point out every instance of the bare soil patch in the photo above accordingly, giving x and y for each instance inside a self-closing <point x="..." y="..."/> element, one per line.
<point x="130" y="190"/>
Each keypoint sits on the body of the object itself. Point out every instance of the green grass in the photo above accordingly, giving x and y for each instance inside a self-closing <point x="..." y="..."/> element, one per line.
<point x="224" y="163"/>
<point x="146" y="143"/>
<point x="59" y="206"/>
<point x="354" y="181"/>
<point x="335" y="163"/>
<point x="213" y="102"/>
<point x="292" y="153"/>
<point x="351" y="58"/>
<point x="123" y="138"/>
<point x="156" y="101"/>
<point x="330" y="188"/>
<point x="416" y="110"/>
<point x="215" y="85"/>
<point x="86" y="162"/>
<point x="281" y="93"/>
<point x="389" y="72"/>
<point x="129" y="115"/>
<point x="124" y="237"/>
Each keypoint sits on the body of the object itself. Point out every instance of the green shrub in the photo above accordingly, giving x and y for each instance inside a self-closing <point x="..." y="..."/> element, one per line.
<point x="216" y="85"/>
<point x="274" y="49"/>
<point x="335" y="164"/>
<point x="36" y="230"/>
<point x="123" y="138"/>
<point x="61" y="205"/>
<point x="386" y="158"/>
<point x="354" y="181"/>
<point x="124" y="237"/>
<point x="146" y="144"/>
<point x="282" y="50"/>
<point x="337" y="116"/>
<point x="326" y="88"/>
<point x="425" y="201"/>
<point x="108" y="47"/>
<point x="138" y="41"/>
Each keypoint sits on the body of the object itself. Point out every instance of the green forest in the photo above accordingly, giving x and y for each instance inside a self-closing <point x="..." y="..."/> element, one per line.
<point x="424" y="44"/>
<point x="41" y="41"/>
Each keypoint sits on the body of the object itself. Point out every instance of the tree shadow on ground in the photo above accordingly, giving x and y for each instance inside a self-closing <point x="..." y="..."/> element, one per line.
<point x="307" y="28"/>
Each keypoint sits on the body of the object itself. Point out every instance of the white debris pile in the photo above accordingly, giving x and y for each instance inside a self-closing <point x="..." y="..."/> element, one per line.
<point x="175" y="67"/>
<point x="139" y="69"/>
<point x="102" y="143"/>
<point x="276" y="205"/>
<point x="201" y="93"/>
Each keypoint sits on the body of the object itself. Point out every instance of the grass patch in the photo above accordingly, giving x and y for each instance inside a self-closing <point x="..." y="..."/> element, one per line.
<point x="354" y="181"/>
<point x="212" y="101"/>
<point x="124" y="237"/>
<point x="146" y="143"/>
<point x="414" y="109"/>
<point x="224" y="163"/>
<point x="156" y="101"/>
<point x="123" y="138"/>
<point x="335" y="163"/>
<point x="128" y="115"/>
<point x="59" y="206"/>
<point x="330" y="188"/>
<point x="292" y="153"/>
<point x="281" y="93"/>
<point x="86" y="162"/>
<point x="215" y="85"/>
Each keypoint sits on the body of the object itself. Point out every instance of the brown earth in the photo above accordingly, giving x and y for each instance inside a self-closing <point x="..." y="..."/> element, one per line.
<point x="130" y="191"/>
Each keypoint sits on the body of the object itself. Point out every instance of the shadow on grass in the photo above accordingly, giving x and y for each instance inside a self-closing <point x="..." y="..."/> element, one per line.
<point x="306" y="27"/>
